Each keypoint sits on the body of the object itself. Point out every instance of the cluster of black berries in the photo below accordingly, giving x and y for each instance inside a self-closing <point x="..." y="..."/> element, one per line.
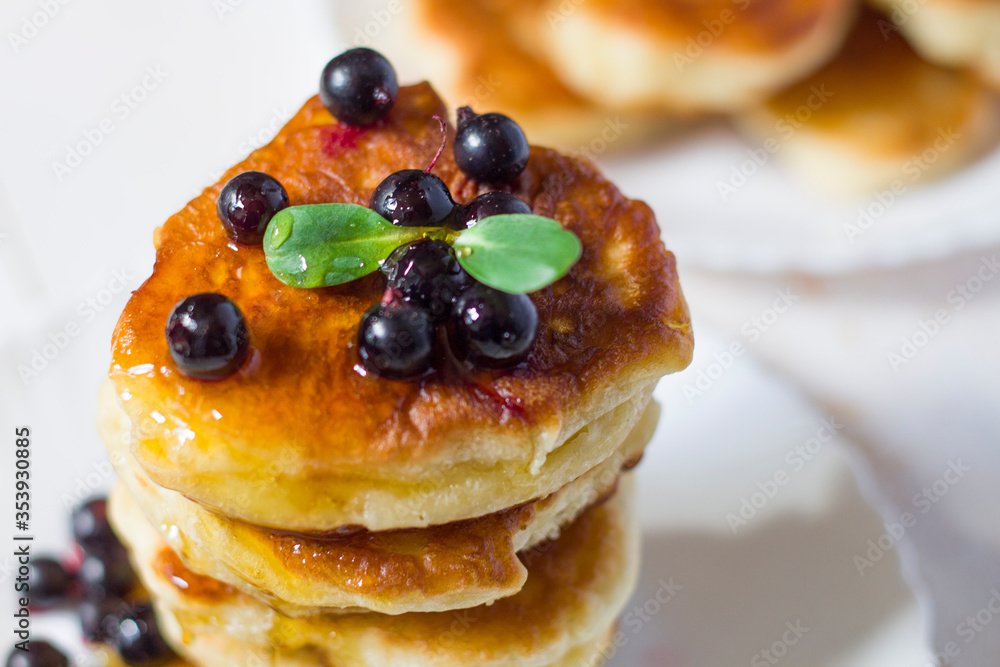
<point x="427" y="288"/>
<point x="99" y="580"/>
<point x="426" y="285"/>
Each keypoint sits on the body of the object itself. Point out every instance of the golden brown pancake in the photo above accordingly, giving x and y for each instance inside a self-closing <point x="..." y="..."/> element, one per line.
<point x="452" y="566"/>
<point x="684" y="56"/>
<point x="576" y="587"/>
<point x="952" y="33"/>
<point x="474" y="59"/>
<point x="303" y="439"/>
<point x="877" y="116"/>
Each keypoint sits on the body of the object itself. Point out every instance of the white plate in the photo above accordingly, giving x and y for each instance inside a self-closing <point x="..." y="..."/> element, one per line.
<point x="773" y="224"/>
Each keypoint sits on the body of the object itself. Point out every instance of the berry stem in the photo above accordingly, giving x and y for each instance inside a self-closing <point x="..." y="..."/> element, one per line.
<point x="444" y="140"/>
<point x="464" y="115"/>
<point x="390" y="295"/>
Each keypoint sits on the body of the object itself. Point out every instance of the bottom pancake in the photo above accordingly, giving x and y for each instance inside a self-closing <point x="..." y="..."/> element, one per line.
<point x="576" y="587"/>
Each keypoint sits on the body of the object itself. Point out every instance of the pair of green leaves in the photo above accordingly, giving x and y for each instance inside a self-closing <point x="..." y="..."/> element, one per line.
<point x="328" y="244"/>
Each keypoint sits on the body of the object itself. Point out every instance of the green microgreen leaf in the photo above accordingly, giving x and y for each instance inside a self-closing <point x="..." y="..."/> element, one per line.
<point x="517" y="253"/>
<point x="328" y="244"/>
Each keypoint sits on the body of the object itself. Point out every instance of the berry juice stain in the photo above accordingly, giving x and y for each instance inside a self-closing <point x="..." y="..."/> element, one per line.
<point x="338" y="138"/>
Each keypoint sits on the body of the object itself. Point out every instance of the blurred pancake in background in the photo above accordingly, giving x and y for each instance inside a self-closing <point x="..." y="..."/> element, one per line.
<point x="467" y="50"/>
<point x="600" y="75"/>
<point x="875" y="117"/>
<point x="683" y="56"/>
<point x="955" y="33"/>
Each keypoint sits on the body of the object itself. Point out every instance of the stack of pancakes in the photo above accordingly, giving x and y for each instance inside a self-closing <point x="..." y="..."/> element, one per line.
<point x="305" y="512"/>
<point x="589" y="75"/>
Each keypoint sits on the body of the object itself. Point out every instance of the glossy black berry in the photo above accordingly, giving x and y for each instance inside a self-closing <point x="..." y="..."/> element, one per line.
<point x="490" y="148"/>
<point x="492" y="328"/>
<point x="90" y="526"/>
<point x="358" y="87"/>
<point x="39" y="654"/>
<point x="426" y="274"/>
<point x="139" y="641"/>
<point x="485" y="205"/>
<point x="396" y="340"/>
<point x="108" y="575"/>
<point x="99" y="617"/>
<point x="208" y="336"/>
<point x="412" y="198"/>
<point x="247" y="203"/>
<point x="48" y="582"/>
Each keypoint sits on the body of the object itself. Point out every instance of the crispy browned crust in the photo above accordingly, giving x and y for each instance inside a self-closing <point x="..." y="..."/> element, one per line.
<point x="300" y="406"/>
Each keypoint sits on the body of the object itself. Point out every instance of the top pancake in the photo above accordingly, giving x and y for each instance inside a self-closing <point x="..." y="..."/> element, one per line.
<point x="293" y="438"/>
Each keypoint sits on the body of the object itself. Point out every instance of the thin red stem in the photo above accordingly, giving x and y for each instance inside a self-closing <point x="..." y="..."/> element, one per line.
<point x="444" y="140"/>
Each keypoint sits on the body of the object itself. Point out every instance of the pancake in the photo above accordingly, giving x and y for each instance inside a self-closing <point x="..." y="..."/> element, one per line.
<point x="301" y="440"/>
<point x="953" y="33"/>
<point x="876" y="117"/>
<point x="453" y="566"/>
<point x="475" y="60"/>
<point x="683" y="56"/>
<point x="577" y="585"/>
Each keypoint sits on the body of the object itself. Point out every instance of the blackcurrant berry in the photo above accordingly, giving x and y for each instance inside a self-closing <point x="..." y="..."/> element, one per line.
<point x="208" y="336"/>
<point x="396" y="340"/>
<point x="485" y="205"/>
<point x="490" y="148"/>
<point x="358" y="87"/>
<point x="247" y="203"/>
<point x="426" y="274"/>
<point x="91" y="528"/>
<point x="413" y="198"/>
<point x="139" y="641"/>
<point x="108" y="575"/>
<point x="48" y="582"/>
<point x="99" y="617"/>
<point x="39" y="654"/>
<point x="493" y="328"/>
